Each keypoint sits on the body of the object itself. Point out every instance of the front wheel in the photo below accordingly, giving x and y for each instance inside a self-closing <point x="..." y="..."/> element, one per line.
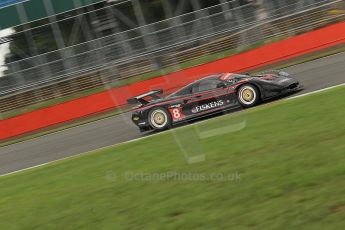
<point x="248" y="95"/>
<point x="159" y="118"/>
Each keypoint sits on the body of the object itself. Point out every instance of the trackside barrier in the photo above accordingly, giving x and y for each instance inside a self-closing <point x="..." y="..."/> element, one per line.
<point x="268" y="54"/>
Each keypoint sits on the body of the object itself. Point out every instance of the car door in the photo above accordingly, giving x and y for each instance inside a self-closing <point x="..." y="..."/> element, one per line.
<point x="189" y="101"/>
<point x="207" y="96"/>
<point x="182" y="102"/>
<point x="186" y="101"/>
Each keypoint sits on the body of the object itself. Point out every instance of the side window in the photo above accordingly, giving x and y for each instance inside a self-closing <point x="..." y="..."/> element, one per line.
<point x="184" y="91"/>
<point x="205" y="85"/>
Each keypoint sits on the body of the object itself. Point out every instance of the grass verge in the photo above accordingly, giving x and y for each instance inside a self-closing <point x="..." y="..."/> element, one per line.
<point x="282" y="169"/>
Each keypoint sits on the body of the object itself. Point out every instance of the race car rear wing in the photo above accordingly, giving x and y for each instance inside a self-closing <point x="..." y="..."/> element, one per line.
<point x="140" y="98"/>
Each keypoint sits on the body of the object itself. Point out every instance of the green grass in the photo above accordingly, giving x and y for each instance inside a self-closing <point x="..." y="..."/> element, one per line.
<point x="289" y="156"/>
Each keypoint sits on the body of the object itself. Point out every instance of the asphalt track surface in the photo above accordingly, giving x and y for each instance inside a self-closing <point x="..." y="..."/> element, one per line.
<point x="314" y="75"/>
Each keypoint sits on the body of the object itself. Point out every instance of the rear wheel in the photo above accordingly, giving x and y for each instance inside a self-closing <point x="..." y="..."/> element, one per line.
<point x="159" y="118"/>
<point x="248" y="95"/>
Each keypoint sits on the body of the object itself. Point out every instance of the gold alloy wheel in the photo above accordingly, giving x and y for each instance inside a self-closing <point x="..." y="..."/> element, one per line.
<point x="159" y="118"/>
<point x="248" y="95"/>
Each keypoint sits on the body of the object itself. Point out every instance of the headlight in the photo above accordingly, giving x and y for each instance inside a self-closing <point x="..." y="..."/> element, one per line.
<point x="135" y="118"/>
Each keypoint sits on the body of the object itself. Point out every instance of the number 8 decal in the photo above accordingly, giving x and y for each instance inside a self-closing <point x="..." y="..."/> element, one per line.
<point x="176" y="114"/>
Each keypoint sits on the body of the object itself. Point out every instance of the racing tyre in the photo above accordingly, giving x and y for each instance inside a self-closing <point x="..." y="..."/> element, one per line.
<point x="159" y="118"/>
<point x="248" y="95"/>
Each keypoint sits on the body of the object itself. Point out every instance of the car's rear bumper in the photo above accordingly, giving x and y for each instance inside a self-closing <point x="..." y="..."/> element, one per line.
<point x="143" y="126"/>
<point x="139" y="120"/>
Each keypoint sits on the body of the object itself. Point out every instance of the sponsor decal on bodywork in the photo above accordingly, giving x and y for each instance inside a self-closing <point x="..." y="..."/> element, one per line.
<point x="208" y="106"/>
<point x="176" y="106"/>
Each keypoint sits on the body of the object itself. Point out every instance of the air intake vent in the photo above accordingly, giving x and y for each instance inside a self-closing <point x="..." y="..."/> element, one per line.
<point x="293" y="86"/>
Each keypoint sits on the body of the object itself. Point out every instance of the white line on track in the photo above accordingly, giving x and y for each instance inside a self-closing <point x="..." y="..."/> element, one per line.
<point x="110" y="146"/>
<point x="313" y="92"/>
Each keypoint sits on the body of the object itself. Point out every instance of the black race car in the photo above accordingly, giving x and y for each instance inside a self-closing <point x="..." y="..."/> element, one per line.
<point x="210" y="94"/>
